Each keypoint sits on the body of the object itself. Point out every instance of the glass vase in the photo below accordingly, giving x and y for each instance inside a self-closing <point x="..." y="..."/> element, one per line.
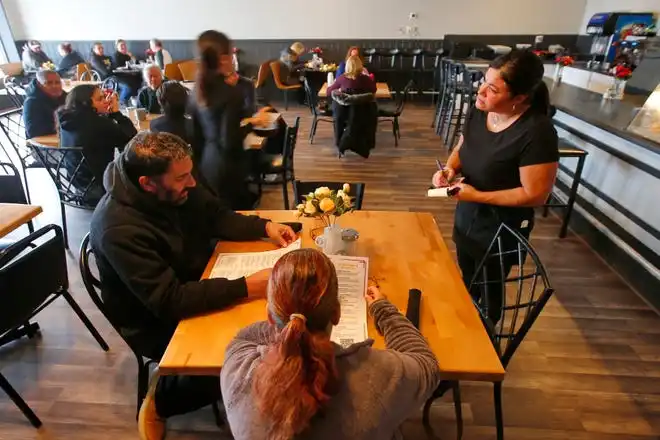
<point x="559" y="72"/>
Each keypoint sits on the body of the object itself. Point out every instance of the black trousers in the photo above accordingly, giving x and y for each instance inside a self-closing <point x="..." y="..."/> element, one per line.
<point x="490" y="298"/>
<point x="183" y="394"/>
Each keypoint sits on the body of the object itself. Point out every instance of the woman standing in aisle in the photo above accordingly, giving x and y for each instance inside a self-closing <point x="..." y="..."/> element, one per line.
<point x="508" y="155"/>
<point x="217" y="114"/>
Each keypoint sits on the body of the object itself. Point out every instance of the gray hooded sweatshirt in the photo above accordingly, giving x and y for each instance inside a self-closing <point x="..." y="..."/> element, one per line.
<point x="379" y="388"/>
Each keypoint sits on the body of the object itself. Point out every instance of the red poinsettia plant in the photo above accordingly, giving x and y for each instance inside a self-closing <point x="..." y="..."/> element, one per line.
<point x="317" y="50"/>
<point x="149" y="53"/>
<point x="622" y="72"/>
<point x="565" y="60"/>
<point x="235" y="50"/>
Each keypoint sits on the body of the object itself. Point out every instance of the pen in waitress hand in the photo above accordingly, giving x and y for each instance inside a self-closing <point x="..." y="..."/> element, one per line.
<point x="439" y="165"/>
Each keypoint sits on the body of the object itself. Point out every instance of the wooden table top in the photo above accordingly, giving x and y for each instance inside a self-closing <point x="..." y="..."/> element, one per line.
<point x="382" y="91"/>
<point x="405" y="250"/>
<point x="252" y="141"/>
<point x="13" y="215"/>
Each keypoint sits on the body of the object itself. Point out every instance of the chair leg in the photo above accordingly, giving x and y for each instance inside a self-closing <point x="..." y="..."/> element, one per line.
<point x="65" y="230"/>
<point x="499" y="422"/>
<point x="219" y="421"/>
<point x="546" y="209"/>
<point x="312" y="132"/>
<point x="286" y="100"/>
<point x="285" y="193"/>
<point x="398" y="127"/>
<point x="76" y="308"/>
<point x="19" y="402"/>
<point x="143" y="382"/>
<point x="458" y="409"/>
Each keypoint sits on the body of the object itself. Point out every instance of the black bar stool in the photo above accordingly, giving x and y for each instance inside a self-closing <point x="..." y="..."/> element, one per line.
<point x="567" y="150"/>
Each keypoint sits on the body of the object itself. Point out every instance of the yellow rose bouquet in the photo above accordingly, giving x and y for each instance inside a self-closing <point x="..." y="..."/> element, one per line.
<point x="48" y="65"/>
<point x="327" y="204"/>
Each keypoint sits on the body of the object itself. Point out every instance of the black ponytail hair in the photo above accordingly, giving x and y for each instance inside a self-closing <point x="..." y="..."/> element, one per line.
<point x="523" y="72"/>
<point x="211" y="46"/>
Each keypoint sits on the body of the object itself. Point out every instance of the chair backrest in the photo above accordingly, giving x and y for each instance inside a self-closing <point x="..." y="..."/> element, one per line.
<point x="82" y="70"/>
<point x="529" y="289"/>
<point x="69" y="170"/>
<point x="188" y="70"/>
<point x="91" y="281"/>
<point x="21" y="292"/>
<point x="277" y="74"/>
<point x="15" y="91"/>
<point x="90" y="75"/>
<point x="173" y="72"/>
<point x="289" y="150"/>
<point x="405" y="96"/>
<point x="13" y="127"/>
<point x="300" y="189"/>
<point x="11" y="185"/>
<point x="110" y="83"/>
<point x="263" y="74"/>
<point x="310" y="98"/>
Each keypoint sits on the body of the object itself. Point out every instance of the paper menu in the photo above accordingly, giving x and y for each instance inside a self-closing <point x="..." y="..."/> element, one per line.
<point x="236" y="265"/>
<point x="352" y="273"/>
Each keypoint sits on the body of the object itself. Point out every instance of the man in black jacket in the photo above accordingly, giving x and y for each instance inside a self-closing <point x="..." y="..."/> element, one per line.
<point x="44" y="97"/>
<point x="152" y="234"/>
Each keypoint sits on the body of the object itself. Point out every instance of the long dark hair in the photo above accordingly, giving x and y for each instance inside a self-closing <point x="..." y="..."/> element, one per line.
<point x="211" y="45"/>
<point x="523" y="72"/>
<point x="173" y="98"/>
<point x="298" y="374"/>
<point x="80" y="98"/>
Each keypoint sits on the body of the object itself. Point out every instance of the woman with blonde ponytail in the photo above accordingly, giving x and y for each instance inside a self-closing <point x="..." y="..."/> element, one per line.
<point x="284" y="378"/>
<point x="217" y="113"/>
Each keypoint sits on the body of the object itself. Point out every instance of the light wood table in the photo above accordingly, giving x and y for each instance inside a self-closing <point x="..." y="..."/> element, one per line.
<point x="252" y="141"/>
<point x="67" y="85"/>
<point x="14" y="215"/>
<point x="405" y="250"/>
<point x="382" y="91"/>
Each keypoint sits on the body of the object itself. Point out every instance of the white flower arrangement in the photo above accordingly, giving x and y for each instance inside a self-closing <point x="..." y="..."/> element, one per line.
<point x="327" y="204"/>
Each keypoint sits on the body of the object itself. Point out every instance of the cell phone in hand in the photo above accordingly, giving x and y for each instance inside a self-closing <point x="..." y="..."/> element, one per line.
<point x="296" y="226"/>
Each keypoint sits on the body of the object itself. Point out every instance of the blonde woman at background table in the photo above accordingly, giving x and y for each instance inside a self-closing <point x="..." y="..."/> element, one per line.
<point x="509" y="156"/>
<point x="285" y="379"/>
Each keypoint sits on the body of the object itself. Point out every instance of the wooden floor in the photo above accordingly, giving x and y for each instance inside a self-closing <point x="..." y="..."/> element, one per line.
<point x="589" y="370"/>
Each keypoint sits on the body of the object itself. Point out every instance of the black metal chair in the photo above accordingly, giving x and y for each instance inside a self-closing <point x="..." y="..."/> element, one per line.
<point x="21" y="154"/>
<point x="392" y="115"/>
<point x="23" y="295"/>
<point x="92" y="283"/>
<point x="281" y="165"/>
<point x="74" y="180"/>
<point x="301" y="189"/>
<point x="529" y="292"/>
<point x="318" y="114"/>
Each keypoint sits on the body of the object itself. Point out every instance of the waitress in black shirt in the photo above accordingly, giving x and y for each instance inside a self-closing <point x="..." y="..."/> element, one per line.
<point x="508" y="155"/>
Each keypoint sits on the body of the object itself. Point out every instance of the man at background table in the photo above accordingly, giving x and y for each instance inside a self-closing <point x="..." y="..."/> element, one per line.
<point x="152" y="235"/>
<point x="44" y="96"/>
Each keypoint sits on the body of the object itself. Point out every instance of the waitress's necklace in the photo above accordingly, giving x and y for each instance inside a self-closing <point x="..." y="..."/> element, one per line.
<point x="496" y="121"/>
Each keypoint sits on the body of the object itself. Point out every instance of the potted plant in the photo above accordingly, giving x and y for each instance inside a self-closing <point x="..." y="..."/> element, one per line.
<point x="328" y="205"/>
<point x="621" y="73"/>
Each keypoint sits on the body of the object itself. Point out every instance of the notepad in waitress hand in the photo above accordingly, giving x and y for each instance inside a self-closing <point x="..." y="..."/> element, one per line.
<point x="447" y="190"/>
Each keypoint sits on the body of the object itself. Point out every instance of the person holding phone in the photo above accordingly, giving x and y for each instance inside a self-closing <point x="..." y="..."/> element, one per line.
<point x="508" y="155"/>
<point x="90" y="119"/>
<point x="284" y="378"/>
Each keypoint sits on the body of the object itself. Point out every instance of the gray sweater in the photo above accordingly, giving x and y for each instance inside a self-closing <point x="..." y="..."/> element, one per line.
<point x="379" y="388"/>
